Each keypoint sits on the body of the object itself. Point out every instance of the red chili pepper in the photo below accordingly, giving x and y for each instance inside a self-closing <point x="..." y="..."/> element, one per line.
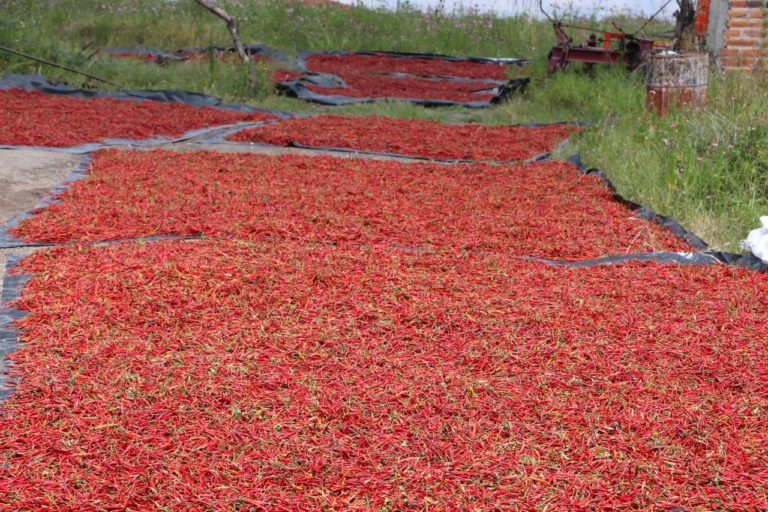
<point x="294" y="376"/>
<point x="363" y="85"/>
<point x="344" y="65"/>
<point x="412" y="137"/>
<point x="370" y="76"/>
<point x="544" y="210"/>
<point x="38" y="119"/>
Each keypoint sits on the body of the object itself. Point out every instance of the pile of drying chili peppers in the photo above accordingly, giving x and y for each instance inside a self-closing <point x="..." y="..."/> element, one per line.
<point x="406" y="77"/>
<point x="546" y="209"/>
<point x="381" y="64"/>
<point x="288" y="376"/>
<point x="362" y="85"/>
<point x="364" y="335"/>
<point x="411" y="137"/>
<point x="38" y="119"/>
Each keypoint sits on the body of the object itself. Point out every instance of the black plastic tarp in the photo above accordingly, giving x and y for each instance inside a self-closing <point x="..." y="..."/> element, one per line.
<point x="220" y="138"/>
<point x="640" y="211"/>
<point x="748" y="261"/>
<point x="703" y="257"/>
<point x="297" y="89"/>
<point x="195" y="99"/>
<point x="13" y="283"/>
<point x="165" y="56"/>
<point x="40" y="84"/>
<point x="301" y="60"/>
<point x="7" y="240"/>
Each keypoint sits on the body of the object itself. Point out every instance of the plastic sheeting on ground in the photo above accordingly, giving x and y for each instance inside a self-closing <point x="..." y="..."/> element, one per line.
<point x="338" y="377"/>
<point x="36" y="113"/>
<point x="256" y="51"/>
<point x="340" y="78"/>
<point x="411" y="138"/>
<point x="38" y="83"/>
<point x="546" y="209"/>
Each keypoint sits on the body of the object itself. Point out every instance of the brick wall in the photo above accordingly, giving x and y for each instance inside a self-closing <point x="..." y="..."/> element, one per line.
<point x="745" y="45"/>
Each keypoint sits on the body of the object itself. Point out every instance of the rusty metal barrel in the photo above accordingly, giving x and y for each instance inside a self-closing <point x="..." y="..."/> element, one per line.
<point x="678" y="80"/>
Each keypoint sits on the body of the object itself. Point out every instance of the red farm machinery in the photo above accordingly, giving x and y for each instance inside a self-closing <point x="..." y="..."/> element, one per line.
<point x="612" y="47"/>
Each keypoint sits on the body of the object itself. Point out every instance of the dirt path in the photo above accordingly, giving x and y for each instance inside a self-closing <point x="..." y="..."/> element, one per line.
<point x="25" y="177"/>
<point x="28" y="175"/>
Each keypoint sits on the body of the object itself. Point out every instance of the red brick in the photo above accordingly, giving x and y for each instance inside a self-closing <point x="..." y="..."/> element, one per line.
<point x="742" y="65"/>
<point x="744" y="42"/>
<point x="746" y="3"/>
<point x="745" y="33"/>
<point x="745" y="13"/>
<point x="752" y="32"/>
<point x="746" y="22"/>
<point x="749" y="52"/>
<point x="740" y="51"/>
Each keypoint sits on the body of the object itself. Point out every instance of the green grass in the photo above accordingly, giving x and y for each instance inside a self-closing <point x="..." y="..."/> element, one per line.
<point x="706" y="169"/>
<point x="289" y="26"/>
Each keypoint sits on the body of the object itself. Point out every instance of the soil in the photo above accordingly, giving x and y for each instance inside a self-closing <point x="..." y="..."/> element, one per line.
<point x="25" y="177"/>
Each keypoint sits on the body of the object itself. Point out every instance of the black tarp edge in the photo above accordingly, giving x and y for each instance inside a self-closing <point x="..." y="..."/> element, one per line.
<point x="446" y="78"/>
<point x="262" y="49"/>
<point x="681" y="258"/>
<point x="381" y="153"/>
<point x="642" y="212"/>
<point x="646" y="213"/>
<point x="8" y="240"/>
<point x="331" y="80"/>
<point x="13" y="283"/>
<point x="297" y="89"/>
<point x="301" y="57"/>
<point x="349" y="151"/>
<point x="323" y="80"/>
<point x="686" y="258"/>
<point x="194" y="99"/>
<point x="220" y="138"/>
<point x="250" y="48"/>
<point x="90" y="147"/>
<point x="98" y="243"/>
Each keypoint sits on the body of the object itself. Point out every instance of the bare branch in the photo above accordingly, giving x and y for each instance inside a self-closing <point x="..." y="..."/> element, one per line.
<point x="214" y="8"/>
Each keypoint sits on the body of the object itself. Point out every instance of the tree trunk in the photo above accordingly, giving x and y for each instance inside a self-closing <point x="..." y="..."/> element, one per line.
<point x="685" y="34"/>
<point x="232" y="28"/>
